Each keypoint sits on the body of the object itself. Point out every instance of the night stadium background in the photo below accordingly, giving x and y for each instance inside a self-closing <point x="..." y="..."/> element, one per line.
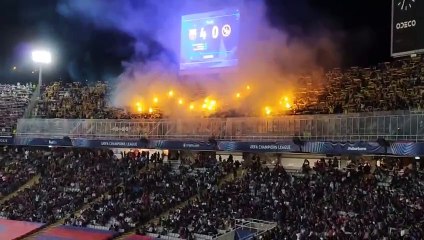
<point x="243" y="119"/>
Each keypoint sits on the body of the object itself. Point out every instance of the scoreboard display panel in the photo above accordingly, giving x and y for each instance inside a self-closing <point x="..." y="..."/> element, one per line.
<point x="209" y="40"/>
<point x="407" y="27"/>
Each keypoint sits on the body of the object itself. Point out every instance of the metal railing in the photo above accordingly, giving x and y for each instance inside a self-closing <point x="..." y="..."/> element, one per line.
<point x="354" y="127"/>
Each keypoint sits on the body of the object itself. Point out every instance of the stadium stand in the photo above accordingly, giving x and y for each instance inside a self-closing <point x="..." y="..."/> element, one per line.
<point x="69" y="180"/>
<point x="17" y="166"/>
<point x="397" y="85"/>
<point x="125" y="194"/>
<point x="352" y="204"/>
<point x="355" y="89"/>
<point x="322" y="202"/>
<point x="146" y="196"/>
<point x="13" y="102"/>
<point x="72" y="100"/>
<point x="389" y="86"/>
<point x="80" y="101"/>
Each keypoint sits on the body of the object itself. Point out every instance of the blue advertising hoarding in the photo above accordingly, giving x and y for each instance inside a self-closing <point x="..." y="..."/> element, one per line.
<point x="6" y="140"/>
<point x="230" y="146"/>
<point x="336" y="148"/>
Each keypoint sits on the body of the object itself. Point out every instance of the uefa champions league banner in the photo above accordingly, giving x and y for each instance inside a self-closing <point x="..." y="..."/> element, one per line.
<point x="90" y="143"/>
<point x="307" y="147"/>
<point x="113" y="143"/>
<point x="7" y="140"/>
<point x="285" y="146"/>
<point x="152" y="144"/>
<point x="337" y="148"/>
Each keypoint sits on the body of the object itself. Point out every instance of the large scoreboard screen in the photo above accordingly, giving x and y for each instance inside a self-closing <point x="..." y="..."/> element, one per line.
<point x="407" y="27"/>
<point x="210" y="40"/>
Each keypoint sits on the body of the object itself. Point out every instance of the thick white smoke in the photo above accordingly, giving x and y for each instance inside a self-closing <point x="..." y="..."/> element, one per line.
<point x="271" y="60"/>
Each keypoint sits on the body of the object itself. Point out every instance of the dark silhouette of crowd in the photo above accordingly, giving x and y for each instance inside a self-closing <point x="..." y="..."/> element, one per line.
<point x="389" y="86"/>
<point x="145" y="195"/>
<point x="13" y="101"/>
<point x="69" y="179"/>
<point x="98" y="189"/>
<point x="331" y="204"/>
<point x="81" y="101"/>
<point x="17" y="166"/>
<point x="73" y="100"/>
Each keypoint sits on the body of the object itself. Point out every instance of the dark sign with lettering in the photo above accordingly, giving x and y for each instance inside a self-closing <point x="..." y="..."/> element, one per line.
<point x="337" y="148"/>
<point x="6" y="141"/>
<point x="407" y="27"/>
<point x="275" y="147"/>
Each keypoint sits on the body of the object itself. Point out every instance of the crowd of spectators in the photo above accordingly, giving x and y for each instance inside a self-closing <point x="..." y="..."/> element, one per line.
<point x="331" y="204"/>
<point x="13" y="102"/>
<point x="145" y="196"/>
<point x="389" y="86"/>
<point x="359" y="202"/>
<point x="17" y="166"/>
<point x="69" y="179"/>
<point x="396" y="85"/>
<point x="81" y="101"/>
<point x="72" y="100"/>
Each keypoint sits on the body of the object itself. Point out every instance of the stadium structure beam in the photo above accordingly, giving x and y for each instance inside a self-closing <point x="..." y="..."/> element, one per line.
<point x="41" y="57"/>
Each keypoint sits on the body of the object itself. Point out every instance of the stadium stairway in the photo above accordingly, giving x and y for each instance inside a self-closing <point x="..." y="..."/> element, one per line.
<point x="34" y="180"/>
<point x="228" y="178"/>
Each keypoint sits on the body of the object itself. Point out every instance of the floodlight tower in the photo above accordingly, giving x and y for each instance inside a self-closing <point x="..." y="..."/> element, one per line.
<point x="41" y="57"/>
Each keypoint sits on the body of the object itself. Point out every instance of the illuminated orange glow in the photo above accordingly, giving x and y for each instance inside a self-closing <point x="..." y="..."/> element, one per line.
<point x="288" y="105"/>
<point x="270" y="105"/>
<point x="268" y="111"/>
<point x="209" y="104"/>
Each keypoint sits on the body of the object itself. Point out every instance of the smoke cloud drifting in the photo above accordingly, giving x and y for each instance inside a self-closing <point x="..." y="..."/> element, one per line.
<point x="270" y="59"/>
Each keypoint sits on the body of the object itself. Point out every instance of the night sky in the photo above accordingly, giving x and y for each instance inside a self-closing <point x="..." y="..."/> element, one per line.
<point x="87" y="52"/>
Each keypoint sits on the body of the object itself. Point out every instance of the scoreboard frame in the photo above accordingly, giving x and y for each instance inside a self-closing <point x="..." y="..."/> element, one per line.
<point x="229" y="64"/>
<point x="416" y="22"/>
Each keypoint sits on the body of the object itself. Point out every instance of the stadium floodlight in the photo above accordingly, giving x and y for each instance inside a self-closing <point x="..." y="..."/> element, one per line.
<point x="41" y="57"/>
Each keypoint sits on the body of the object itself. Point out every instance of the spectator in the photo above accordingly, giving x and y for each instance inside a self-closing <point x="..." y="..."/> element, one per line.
<point x="327" y="205"/>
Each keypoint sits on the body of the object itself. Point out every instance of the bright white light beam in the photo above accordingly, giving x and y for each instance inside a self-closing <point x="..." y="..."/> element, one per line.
<point x="43" y="57"/>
